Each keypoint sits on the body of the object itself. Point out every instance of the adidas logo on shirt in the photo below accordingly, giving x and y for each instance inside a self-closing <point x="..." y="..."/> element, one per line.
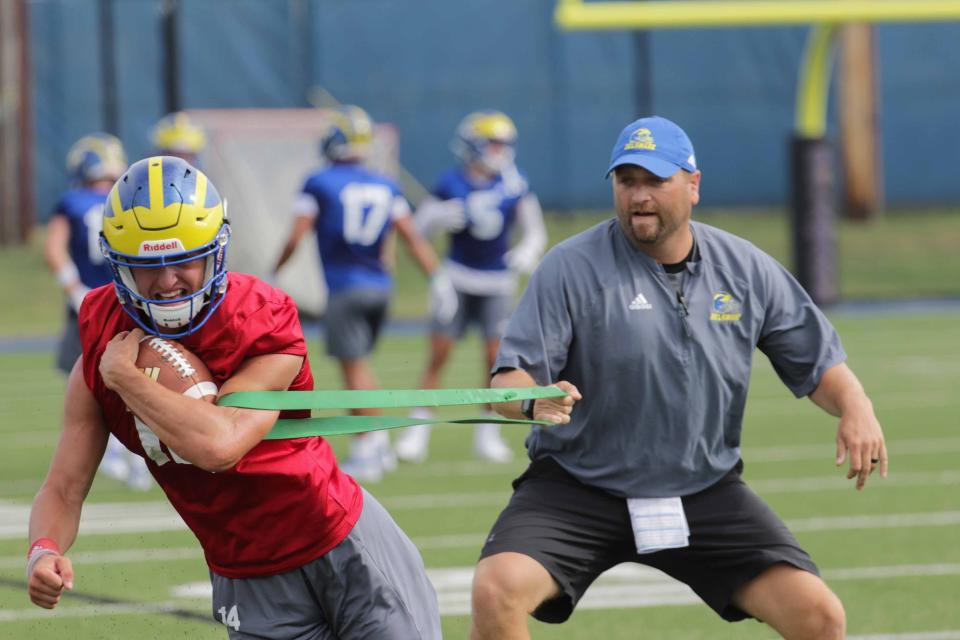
<point x="640" y="303"/>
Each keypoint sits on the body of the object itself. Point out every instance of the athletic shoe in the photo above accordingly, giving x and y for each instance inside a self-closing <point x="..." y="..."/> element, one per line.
<point x="413" y="443"/>
<point x="139" y="478"/>
<point x="365" y="462"/>
<point x="489" y="445"/>
<point x="114" y="463"/>
<point x="114" y="466"/>
<point x="388" y="459"/>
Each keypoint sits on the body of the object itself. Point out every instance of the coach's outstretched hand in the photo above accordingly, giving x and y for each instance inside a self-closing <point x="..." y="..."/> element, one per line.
<point x="557" y="410"/>
<point x="49" y="576"/>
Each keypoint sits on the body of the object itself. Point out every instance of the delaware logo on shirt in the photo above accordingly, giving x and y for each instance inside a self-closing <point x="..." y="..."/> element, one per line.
<point x="725" y="308"/>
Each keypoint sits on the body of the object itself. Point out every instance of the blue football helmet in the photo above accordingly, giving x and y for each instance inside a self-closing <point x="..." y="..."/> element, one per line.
<point x="95" y="157"/>
<point x="349" y="135"/>
<point x="487" y="139"/>
<point x="162" y="212"/>
<point x="177" y="135"/>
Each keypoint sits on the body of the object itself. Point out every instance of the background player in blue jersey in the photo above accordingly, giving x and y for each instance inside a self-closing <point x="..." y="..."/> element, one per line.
<point x="479" y="203"/>
<point x="177" y="135"/>
<point x="352" y="209"/>
<point x="72" y="251"/>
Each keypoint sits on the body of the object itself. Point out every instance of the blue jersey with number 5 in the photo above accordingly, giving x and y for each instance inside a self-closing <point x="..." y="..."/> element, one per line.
<point x="83" y="209"/>
<point x="355" y="210"/>
<point x="491" y="210"/>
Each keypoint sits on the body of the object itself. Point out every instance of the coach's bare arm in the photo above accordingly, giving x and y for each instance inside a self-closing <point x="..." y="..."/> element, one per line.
<point x="555" y="410"/>
<point x="56" y="509"/>
<point x="859" y="435"/>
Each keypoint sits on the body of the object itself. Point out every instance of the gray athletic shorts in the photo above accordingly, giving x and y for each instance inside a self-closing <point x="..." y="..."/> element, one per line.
<point x="490" y="313"/>
<point x="353" y="322"/>
<point x="577" y="532"/>
<point x="372" y="586"/>
<point x="70" y="347"/>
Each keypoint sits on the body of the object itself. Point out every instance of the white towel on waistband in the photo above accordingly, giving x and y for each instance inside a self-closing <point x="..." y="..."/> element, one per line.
<point x="658" y="523"/>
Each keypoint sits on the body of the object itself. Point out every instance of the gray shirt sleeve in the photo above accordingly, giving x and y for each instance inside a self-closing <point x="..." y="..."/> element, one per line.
<point x="538" y="336"/>
<point x="796" y="336"/>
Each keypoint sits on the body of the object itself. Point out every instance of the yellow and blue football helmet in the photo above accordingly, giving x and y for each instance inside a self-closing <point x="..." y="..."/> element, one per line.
<point x="486" y="138"/>
<point x="349" y="135"/>
<point x="95" y="157"/>
<point x="177" y="135"/>
<point x="163" y="211"/>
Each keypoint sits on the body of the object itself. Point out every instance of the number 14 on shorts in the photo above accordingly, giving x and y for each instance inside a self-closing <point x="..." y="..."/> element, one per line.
<point x="230" y="618"/>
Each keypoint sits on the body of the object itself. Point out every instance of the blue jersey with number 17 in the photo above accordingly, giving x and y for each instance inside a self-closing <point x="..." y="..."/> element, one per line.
<point x="355" y="210"/>
<point x="491" y="210"/>
<point x="83" y="209"/>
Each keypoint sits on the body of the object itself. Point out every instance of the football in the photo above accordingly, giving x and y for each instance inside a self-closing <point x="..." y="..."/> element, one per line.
<point x="175" y="367"/>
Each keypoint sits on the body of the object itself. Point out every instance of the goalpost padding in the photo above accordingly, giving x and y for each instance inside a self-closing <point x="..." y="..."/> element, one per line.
<point x="259" y="159"/>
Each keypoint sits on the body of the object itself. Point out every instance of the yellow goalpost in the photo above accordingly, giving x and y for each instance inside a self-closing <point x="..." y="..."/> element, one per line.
<point x="657" y="14"/>
<point x="811" y="173"/>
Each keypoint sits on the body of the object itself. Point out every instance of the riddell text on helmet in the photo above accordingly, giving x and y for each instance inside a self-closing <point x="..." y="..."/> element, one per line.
<point x="161" y="246"/>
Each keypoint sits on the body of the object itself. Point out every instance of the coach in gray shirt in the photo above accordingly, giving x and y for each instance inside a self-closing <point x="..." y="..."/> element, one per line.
<point x="649" y="322"/>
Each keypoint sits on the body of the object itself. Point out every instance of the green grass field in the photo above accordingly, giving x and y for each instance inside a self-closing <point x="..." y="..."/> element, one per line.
<point x="890" y="552"/>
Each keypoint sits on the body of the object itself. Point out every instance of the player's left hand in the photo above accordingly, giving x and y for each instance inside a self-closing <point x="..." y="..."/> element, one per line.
<point x="860" y="438"/>
<point x="119" y="356"/>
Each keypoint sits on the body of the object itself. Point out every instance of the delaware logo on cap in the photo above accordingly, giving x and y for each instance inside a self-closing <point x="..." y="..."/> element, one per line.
<point x="641" y="139"/>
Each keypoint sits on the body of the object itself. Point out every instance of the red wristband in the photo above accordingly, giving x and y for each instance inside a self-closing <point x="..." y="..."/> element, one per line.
<point x="45" y="544"/>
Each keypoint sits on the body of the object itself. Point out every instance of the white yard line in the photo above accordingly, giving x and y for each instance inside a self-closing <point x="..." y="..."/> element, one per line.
<point x="117" y="557"/>
<point x="88" y="611"/>
<point x="751" y="454"/>
<point x="918" y="635"/>
<point x="624" y="586"/>
<point x="139" y="517"/>
<point x="469" y="468"/>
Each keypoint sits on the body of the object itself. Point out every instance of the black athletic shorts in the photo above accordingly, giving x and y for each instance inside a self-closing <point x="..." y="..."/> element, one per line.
<point x="577" y="532"/>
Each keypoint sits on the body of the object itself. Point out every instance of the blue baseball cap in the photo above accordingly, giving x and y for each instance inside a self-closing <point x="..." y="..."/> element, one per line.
<point x="656" y="144"/>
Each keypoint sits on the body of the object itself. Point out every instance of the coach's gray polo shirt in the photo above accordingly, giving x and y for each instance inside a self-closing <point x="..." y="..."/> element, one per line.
<point x="663" y="388"/>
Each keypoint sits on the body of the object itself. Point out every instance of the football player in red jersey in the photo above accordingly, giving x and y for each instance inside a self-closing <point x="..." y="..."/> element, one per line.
<point x="295" y="547"/>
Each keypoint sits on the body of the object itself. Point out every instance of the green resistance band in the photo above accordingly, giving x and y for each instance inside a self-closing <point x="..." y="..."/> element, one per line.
<point x="339" y="425"/>
<point x="380" y="399"/>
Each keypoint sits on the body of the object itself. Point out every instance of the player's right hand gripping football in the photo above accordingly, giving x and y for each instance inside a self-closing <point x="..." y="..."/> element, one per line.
<point x="50" y="575"/>
<point x="557" y="410"/>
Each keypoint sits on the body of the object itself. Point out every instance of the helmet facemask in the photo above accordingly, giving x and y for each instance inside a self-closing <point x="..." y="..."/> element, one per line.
<point x="485" y="140"/>
<point x="96" y="157"/>
<point x="164" y="212"/>
<point x="349" y="136"/>
<point x="164" y="316"/>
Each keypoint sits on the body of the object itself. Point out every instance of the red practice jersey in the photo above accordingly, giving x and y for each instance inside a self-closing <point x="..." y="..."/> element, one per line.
<point x="286" y="502"/>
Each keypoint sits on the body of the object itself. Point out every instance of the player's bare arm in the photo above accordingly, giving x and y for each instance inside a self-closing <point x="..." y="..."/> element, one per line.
<point x="420" y="249"/>
<point x="56" y="508"/>
<point x="211" y="437"/>
<point x="56" y="254"/>
<point x="555" y="410"/>
<point x="859" y="435"/>
<point x="301" y="225"/>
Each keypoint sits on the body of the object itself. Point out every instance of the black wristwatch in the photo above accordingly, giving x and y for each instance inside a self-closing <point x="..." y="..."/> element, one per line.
<point x="526" y="408"/>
